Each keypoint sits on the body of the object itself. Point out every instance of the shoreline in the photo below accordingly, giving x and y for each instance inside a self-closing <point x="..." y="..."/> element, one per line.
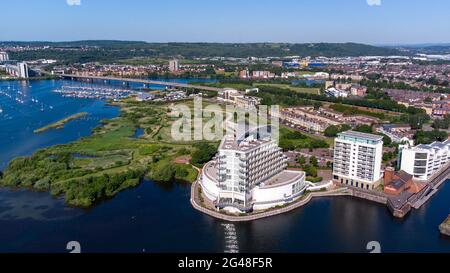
<point x="117" y="159"/>
<point x="28" y="79"/>
<point x="197" y="200"/>
<point x="60" y="123"/>
<point x="303" y="200"/>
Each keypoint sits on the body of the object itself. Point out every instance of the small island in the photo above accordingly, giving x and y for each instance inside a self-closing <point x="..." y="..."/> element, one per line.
<point x="445" y="227"/>
<point x="60" y="124"/>
<point x="111" y="159"/>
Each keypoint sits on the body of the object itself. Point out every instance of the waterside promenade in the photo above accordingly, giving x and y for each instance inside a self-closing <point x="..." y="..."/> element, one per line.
<point x="199" y="203"/>
<point x="399" y="206"/>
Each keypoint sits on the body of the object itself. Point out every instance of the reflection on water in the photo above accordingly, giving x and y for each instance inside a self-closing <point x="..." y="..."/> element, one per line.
<point x="230" y="236"/>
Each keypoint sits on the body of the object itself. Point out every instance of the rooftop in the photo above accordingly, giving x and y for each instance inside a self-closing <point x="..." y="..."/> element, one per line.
<point x="248" y="141"/>
<point x="404" y="176"/>
<point x="434" y="146"/>
<point x="396" y="184"/>
<point x="391" y="126"/>
<point x="354" y="134"/>
<point x="285" y="177"/>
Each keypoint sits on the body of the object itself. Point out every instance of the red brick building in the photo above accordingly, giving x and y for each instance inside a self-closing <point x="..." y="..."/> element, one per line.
<point x="397" y="182"/>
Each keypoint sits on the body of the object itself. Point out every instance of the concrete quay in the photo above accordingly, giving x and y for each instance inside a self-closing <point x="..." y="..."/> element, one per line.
<point x="196" y="202"/>
<point x="399" y="205"/>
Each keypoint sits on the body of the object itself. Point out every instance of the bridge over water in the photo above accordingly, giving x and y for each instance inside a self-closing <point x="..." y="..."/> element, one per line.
<point x="143" y="81"/>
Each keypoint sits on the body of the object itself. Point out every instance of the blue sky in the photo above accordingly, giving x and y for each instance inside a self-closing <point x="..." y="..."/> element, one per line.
<point x="382" y="22"/>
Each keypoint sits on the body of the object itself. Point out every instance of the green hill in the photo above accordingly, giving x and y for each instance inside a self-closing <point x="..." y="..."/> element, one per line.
<point x="105" y="50"/>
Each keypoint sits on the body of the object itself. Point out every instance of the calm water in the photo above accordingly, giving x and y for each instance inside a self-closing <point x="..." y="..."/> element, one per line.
<point x="158" y="217"/>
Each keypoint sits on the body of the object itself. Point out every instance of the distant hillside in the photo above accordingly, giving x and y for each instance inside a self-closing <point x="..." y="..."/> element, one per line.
<point x="106" y="50"/>
<point x="271" y="49"/>
<point x="425" y="48"/>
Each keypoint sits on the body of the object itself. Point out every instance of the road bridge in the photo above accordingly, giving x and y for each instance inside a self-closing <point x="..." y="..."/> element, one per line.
<point x="144" y="81"/>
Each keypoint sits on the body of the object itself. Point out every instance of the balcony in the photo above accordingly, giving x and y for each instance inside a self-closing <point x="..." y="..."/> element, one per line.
<point x="243" y="177"/>
<point x="243" y="165"/>
<point x="243" y="171"/>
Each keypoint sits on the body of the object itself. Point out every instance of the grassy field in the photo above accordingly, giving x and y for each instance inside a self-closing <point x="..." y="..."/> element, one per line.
<point x="290" y="87"/>
<point x="351" y="110"/>
<point x="243" y="86"/>
<point x="292" y="140"/>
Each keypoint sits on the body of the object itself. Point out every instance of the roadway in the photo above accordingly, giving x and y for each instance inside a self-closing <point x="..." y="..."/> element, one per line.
<point x="143" y="81"/>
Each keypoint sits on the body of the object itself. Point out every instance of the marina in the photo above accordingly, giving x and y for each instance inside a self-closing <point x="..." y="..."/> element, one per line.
<point x="90" y="92"/>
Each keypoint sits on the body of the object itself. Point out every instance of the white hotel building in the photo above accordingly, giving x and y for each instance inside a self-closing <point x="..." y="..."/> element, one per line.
<point x="357" y="159"/>
<point x="249" y="174"/>
<point x="422" y="161"/>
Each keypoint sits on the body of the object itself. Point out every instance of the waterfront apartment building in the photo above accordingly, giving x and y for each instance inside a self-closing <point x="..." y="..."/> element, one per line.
<point x="19" y="70"/>
<point x="424" y="160"/>
<point x="357" y="159"/>
<point x="174" y="65"/>
<point x="22" y="70"/>
<point x="249" y="173"/>
<point x="245" y="164"/>
<point x="4" y="57"/>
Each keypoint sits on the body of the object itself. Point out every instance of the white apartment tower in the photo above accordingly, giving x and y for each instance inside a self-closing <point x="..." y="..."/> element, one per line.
<point x="4" y="57"/>
<point x="243" y="164"/>
<point x="22" y="70"/>
<point x="174" y="65"/>
<point x="424" y="160"/>
<point x="249" y="173"/>
<point x="357" y="159"/>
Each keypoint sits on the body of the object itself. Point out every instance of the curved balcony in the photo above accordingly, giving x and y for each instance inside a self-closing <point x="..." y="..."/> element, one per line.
<point x="243" y="171"/>
<point x="243" y="165"/>
<point x="243" y="177"/>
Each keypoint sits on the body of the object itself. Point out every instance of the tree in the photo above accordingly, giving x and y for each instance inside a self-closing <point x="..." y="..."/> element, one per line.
<point x="442" y="123"/>
<point x="427" y="137"/>
<point x="310" y="170"/>
<point x="364" y="128"/>
<point x="163" y="171"/>
<point x="301" y="160"/>
<point x="203" y="153"/>
<point x="388" y="156"/>
<point x="333" y="130"/>
<point x="317" y="105"/>
<point x="313" y="161"/>
<point x="386" y="140"/>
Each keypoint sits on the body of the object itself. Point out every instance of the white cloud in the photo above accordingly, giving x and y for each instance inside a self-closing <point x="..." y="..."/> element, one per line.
<point x="374" y="2"/>
<point x="73" y="2"/>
